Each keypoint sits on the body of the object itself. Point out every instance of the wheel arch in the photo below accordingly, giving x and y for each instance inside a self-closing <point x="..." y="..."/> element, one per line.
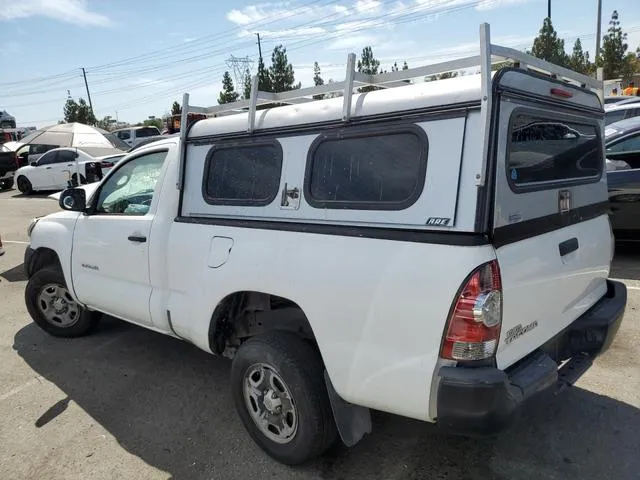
<point x="51" y="241"/>
<point x="39" y="258"/>
<point x="243" y="314"/>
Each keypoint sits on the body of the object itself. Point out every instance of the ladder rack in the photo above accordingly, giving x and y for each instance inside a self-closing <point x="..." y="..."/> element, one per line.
<point x="489" y="54"/>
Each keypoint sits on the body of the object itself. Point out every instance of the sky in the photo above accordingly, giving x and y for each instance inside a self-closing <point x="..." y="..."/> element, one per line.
<point x="141" y="55"/>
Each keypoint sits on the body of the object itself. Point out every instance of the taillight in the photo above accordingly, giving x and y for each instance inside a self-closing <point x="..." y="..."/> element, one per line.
<point x="559" y="92"/>
<point x="473" y="328"/>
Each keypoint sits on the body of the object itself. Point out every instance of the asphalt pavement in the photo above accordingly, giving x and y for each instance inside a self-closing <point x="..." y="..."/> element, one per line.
<point x="127" y="403"/>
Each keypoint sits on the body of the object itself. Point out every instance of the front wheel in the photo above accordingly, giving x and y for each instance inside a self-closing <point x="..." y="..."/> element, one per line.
<point x="6" y="184"/>
<point x="53" y="308"/>
<point x="279" y="392"/>
<point x="24" y="185"/>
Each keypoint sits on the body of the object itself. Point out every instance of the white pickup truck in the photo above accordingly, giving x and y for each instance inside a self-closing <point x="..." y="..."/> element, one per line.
<point x="439" y="251"/>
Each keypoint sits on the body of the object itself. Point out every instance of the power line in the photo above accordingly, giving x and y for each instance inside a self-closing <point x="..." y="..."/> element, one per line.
<point x="191" y="59"/>
<point x="276" y="17"/>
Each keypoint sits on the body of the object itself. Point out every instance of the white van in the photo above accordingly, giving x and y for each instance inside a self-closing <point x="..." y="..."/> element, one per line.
<point x="134" y="135"/>
<point x="439" y="251"/>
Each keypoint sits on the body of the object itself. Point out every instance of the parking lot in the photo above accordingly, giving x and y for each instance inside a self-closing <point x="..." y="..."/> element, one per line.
<point x="129" y="403"/>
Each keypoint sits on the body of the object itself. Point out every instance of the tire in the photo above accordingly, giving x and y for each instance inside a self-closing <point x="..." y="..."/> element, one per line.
<point x="6" y="184"/>
<point x="298" y="371"/>
<point x="24" y="185"/>
<point x="74" y="180"/>
<point x="40" y="292"/>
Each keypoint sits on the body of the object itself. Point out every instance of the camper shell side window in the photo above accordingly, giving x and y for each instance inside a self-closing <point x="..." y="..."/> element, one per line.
<point x="242" y="174"/>
<point x="367" y="169"/>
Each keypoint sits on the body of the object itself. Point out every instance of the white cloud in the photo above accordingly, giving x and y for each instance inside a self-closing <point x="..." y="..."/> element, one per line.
<point x="367" y="6"/>
<point x="150" y="82"/>
<point x="286" y="33"/>
<point x="276" y="11"/>
<point x="359" y="25"/>
<point x="352" y="41"/>
<point x="188" y="39"/>
<point x="70" y="11"/>
<point x="443" y="5"/>
<point x="491" y="4"/>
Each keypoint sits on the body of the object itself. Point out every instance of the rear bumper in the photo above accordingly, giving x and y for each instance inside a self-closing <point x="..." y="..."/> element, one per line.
<point x="477" y="401"/>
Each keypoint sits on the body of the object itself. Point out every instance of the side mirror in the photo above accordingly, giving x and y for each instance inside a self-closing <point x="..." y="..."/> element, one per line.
<point x="34" y="164"/>
<point x="73" y="199"/>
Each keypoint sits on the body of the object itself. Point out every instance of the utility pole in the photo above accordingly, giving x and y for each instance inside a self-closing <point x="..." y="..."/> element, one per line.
<point x="84" y="74"/>
<point x="259" y="47"/>
<point x="549" y="9"/>
<point x="599" y="29"/>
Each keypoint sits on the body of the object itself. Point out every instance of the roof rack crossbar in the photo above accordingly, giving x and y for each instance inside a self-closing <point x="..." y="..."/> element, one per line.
<point x="489" y="54"/>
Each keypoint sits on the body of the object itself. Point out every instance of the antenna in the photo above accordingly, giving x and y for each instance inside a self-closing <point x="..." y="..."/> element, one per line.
<point x="240" y="65"/>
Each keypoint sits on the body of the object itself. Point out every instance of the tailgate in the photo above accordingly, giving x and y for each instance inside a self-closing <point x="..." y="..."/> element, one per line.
<point x="550" y="227"/>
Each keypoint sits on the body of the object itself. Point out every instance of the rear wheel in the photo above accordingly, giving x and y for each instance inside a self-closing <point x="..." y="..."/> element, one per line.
<point x="279" y="392"/>
<point x="24" y="185"/>
<point x="6" y="184"/>
<point x="53" y="308"/>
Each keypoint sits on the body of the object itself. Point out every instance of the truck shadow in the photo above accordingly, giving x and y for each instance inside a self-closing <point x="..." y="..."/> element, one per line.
<point x="626" y="263"/>
<point x="38" y="194"/>
<point x="169" y="404"/>
<point x="15" y="274"/>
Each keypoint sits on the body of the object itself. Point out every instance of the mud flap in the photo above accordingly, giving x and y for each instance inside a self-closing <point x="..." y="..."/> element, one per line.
<point x="353" y="421"/>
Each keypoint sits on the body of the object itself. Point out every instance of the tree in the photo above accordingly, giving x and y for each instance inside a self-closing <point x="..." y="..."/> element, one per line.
<point x="85" y="115"/>
<point x="246" y="92"/>
<point x="78" y="112"/>
<point x="405" y="65"/>
<point x="394" y="67"/>
<point x="614" y="49"/>
<point x="228" y="93"/>
<point x="368" y="65"/>
<point x="281" y="71"/>
<point x="499" y="66"/>
<point x="106" y="123"/>
<point x="579" y="59"/>
<point x="70" y="110"/>
<point x="630" y="66"/>
<point x="548" y="46"/>
<point x="264" y="79"/>
<point x="442" y="76"/>
<point x="176" y="109"/>
<point x="153" y="122"/>
<point x="317" y="79"/>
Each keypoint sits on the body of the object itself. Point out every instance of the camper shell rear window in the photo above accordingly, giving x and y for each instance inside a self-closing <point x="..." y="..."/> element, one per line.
<point x="547" y="152"/>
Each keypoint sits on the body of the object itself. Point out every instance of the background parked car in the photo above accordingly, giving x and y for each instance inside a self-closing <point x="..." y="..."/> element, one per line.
<point x="617" y="112"/>
<point x="57" y="167"/>
<point x="134" y="135"/>
<point x="148" y="140"/>
<point x="8" y="165"/>
<point x="620" y="99"/>
<point x="623" y="176"/>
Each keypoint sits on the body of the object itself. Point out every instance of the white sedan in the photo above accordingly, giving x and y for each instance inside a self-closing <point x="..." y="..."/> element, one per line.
<point x="59" y="167"/>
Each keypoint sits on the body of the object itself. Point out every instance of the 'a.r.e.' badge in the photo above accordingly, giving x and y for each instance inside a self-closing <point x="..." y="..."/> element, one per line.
<point x="438" y="221"/>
